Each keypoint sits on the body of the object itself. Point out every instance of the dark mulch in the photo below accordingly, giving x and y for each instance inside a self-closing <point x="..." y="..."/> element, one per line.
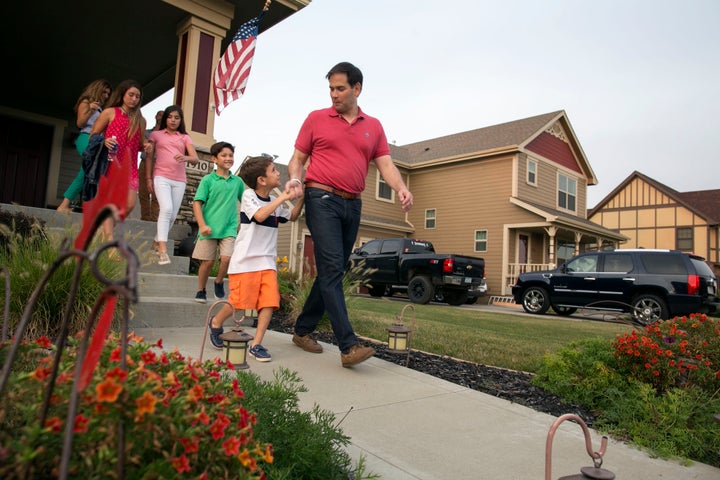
<point x="502" y="383"/>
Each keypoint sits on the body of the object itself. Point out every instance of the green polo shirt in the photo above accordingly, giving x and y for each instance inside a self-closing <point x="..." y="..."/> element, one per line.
<point x="220" y="197"/>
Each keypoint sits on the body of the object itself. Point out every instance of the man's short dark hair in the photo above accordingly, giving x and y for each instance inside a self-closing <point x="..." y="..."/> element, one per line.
<point x="354" y="75"/>
<point x="217" y="148"/>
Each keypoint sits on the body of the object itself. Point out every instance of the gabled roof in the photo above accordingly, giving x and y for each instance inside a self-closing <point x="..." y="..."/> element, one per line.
<point x="704" y="203"/>
<point x="574" y="222"/>
<point x="505" y="137"/>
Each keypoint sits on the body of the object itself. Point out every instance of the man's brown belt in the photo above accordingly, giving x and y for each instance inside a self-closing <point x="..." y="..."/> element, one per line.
<point x="335" y="191"/>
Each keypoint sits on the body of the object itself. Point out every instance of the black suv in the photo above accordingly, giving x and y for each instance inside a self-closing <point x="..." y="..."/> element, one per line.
<point x="650" y="284"/>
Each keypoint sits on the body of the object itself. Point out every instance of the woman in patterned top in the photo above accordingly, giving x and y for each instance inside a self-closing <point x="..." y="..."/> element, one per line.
<point x="123" y="127"/>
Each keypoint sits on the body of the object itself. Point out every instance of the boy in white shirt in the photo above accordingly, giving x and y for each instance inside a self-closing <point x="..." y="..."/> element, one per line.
<point x="252" y="271"/>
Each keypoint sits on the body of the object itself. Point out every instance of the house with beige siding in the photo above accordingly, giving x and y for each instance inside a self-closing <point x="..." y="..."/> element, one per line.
<point x="513" y="194"/>
<point x="653" y="215"/>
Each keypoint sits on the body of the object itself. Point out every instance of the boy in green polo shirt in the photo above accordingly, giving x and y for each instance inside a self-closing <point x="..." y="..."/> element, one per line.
<point x="216" y="210"/>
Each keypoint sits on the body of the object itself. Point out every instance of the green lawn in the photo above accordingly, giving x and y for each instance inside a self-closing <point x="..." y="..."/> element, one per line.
<point x="503" y="340"/>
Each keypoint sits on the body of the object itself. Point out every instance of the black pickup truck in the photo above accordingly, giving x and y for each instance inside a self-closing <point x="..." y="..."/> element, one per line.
<point x="395" y="264"/>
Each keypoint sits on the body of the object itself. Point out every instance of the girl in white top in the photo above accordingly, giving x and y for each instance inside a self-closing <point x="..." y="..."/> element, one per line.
<point x="171" y="149"/>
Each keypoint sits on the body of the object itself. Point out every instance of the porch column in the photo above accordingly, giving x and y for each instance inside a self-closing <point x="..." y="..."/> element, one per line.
<point x="551" y="231"/>
<point x="198" y="52"/>
<point x="578" y="237"/>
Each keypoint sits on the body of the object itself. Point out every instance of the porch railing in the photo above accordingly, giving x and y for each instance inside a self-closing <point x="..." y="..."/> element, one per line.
<point x="515" y="269"/>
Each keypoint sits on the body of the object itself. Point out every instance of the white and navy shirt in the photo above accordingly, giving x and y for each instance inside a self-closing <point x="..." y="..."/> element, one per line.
<point x="256" y="243"/>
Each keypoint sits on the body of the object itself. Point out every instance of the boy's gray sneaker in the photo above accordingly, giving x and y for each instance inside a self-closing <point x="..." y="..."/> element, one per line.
<point x="201" y="296"/>
<point x="219" y="290"/>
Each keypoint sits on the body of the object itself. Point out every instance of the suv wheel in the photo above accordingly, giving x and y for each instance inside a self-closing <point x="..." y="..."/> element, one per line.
<point x="648" y="309"/>
<point x="535" y="300"/>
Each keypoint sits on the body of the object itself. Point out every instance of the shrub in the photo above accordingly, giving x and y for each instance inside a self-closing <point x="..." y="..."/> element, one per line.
<point x="681" y="352"/>
<point x="306" y="445"/>
<point x="180" y="417"/>
<point x="27" y="259"/>
<point x="670" y="412"/>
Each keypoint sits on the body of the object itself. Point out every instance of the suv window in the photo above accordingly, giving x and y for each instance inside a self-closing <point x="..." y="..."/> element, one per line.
<point x="663" y="264"/>
<point x="584" y="263"/>
<point x="702" y="268"/>
<point x="618" y="263"/>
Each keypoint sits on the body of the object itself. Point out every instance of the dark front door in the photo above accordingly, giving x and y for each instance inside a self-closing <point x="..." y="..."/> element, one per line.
<point x="24" y="161"/>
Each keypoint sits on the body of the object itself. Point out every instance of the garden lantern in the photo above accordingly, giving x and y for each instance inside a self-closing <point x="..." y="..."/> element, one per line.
<point x="399" y="335"/>
<point x="235" y="347"/>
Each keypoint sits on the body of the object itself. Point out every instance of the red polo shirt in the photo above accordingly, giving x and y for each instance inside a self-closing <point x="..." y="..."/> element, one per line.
<point x="340" y="152"/>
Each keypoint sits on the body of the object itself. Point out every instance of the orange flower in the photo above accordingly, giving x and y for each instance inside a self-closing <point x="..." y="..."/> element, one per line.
<point x="108" y="390"/>
<point x="195" y="394"/>
<point x="146" y="403"/>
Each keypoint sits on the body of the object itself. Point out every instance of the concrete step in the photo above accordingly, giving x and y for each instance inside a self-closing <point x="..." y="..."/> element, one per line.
<point x="167" y="300"/>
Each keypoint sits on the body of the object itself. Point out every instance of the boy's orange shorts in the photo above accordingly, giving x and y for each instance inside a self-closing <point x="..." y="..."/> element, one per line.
<point x="254" y="290"/>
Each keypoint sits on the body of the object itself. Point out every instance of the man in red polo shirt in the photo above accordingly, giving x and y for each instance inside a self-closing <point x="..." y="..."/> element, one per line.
<point x="342" y="141"/>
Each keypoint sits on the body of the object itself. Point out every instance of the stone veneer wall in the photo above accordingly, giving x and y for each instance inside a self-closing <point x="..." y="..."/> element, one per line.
<point x="194" y="174"/>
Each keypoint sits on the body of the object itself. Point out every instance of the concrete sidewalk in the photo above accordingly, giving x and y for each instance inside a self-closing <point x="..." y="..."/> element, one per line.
<point x="412" y="426"/>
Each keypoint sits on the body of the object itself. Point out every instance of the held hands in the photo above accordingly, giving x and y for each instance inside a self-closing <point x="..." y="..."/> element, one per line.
<point x="293" y="188"/>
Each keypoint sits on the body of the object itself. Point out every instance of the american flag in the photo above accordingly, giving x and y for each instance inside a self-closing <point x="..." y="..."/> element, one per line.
<point x="233" y="69"/>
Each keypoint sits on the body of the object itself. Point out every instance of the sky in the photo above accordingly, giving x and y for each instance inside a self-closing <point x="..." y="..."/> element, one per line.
<point x="639" y="80"/>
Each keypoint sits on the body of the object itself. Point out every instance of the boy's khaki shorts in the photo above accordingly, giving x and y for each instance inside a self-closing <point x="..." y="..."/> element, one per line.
<point x="206" y="248"/>
<point x="254" y="290"/>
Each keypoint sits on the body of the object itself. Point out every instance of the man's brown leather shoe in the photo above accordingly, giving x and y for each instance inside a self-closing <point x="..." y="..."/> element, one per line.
<point x="355" y="355"/>
<point x="307" y="343"/>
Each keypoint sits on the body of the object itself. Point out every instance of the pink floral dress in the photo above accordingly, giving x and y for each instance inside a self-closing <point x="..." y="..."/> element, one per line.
<point x="119" y="127"/>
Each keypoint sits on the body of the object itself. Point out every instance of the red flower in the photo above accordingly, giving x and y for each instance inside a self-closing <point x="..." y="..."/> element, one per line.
<point x="43" y="342"/>
<point x="191" y="445"/>
<point x="81" y="423"/>
<point x="181" y="464"/>
<point x="54" y="424"/>
<point x="231" y="446"/>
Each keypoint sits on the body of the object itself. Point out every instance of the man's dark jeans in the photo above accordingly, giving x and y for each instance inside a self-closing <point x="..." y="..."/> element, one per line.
<point x="333" y="223"/>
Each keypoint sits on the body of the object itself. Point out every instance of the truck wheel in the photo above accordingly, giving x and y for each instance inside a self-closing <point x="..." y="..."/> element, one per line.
<point x="455" y="298"/>
<point x="648" y="309"/>
<point x="420" y="289"/>
<point x="471" y="300"/>
<point x="535" y="300"/>
<point x="376" y="290"/>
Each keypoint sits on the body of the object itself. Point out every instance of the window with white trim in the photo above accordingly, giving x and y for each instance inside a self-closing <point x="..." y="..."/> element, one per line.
<point x="481" y="240"/>
<point x="384" y="190"/>
<point x="531" y="172"/>
<point x="430" y="218"/>
<point x="567" y="192"/>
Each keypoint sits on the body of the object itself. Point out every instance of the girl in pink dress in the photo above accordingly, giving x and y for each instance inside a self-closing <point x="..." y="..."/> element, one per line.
<point x="123" y="125"/>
